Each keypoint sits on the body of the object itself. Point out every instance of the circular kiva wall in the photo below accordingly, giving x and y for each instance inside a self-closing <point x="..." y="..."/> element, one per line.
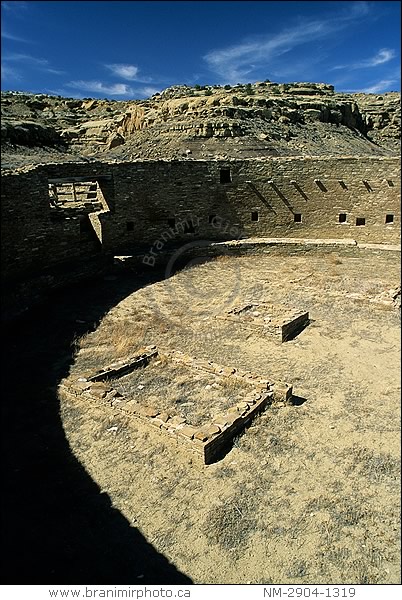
<point x="73" y="213"/>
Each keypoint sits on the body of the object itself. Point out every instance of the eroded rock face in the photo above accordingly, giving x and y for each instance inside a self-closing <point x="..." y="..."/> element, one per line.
<point x="382" y="116"/>
<point x="244" y="120"/>
<point x="29" y="133"/>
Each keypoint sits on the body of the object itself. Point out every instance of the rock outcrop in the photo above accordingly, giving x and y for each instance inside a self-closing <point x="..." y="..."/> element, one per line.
<point x="201" y="122"/>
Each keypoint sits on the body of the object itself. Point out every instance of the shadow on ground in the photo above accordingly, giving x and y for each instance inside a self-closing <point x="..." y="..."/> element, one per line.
<point x="58" y="527"/>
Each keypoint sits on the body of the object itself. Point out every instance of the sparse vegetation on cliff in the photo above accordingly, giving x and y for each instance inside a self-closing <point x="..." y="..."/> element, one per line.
<point x="260" y="119"/>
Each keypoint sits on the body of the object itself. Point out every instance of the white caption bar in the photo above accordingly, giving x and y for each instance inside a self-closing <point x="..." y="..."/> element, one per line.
<point x="202" y="592"/>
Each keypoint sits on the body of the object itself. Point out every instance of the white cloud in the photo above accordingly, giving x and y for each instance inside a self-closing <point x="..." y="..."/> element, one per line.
<point x="26" y="58"/>
<point x="7" y="35"/>
<point x="115" y="89"/>
<point x="148" y="91"/>
<point x="385" y="85"/>
<point x="64" y="93"/>
<point x="128" y="72"/>
<point x="383" y="56"/>
<point x="14" y="5"/>
<point x="54" y="71"/>
<point x="236" y="62"/>
<point x="42" y="64"/>
<point x="9" y="74"/>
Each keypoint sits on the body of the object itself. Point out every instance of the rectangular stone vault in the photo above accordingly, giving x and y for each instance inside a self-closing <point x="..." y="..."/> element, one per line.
<point x="278" y="322"/>
<point x="208" y="441"/>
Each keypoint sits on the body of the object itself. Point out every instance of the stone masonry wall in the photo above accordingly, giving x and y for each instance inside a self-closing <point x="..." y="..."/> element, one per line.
<point x="150" y="203"/>
<point x="33" y="236"/>
<point x="149" y="195"/>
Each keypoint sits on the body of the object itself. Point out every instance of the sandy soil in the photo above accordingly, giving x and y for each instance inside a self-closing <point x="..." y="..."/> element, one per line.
<point x="310" y="492"/>
<point x="194" y="395"/>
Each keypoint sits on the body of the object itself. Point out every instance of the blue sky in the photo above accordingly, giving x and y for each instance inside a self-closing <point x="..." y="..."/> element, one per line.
<point x="126" y="50"/>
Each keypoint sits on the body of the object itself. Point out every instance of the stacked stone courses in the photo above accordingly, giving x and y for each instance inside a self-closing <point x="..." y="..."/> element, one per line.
<point x="211" y="439"/>
<point x="295" y="197"/>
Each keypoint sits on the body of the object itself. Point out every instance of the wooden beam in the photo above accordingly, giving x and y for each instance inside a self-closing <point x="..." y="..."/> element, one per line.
<point x="89" y="179"/>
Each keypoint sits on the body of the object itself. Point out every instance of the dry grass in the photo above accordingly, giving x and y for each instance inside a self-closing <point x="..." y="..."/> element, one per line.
<point x="222" y="259"/>
<point x="231" y="523"/>
<point x="113" y="339"/>
<point x="233" y="384"/>
<point x="335" y="259"/>
<point x="116" y="338"/>
<point x="309" y="493"/>
<point x="376" y="466"/>
<point x="194" y="395"/>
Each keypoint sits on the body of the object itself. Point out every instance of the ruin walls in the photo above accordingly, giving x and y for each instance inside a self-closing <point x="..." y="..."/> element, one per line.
<point x="165" y="202"/>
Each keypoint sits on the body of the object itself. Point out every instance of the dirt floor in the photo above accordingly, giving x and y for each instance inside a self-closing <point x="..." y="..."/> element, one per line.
<point x="181" y="391"/>
<point x="310" y="492"/>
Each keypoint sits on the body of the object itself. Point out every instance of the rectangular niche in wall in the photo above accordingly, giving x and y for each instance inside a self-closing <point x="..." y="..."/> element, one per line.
<point x="80" y="194"/>
<point x="297" y="218"/>
<point x="320" y="184"/>
<point x="85" y="224"/>
<point x="389" y="218"/>
<point x="360" y="221"/>
<point x="67" y="194"/>
<point x="225" y="176"/>
<point x="188" y="227"/>
<point x="342" y="217"/>
<point x="254" y="215"/>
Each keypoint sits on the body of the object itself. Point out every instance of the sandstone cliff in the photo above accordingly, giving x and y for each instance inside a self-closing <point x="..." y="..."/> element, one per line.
<point x="263" y="119"/>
